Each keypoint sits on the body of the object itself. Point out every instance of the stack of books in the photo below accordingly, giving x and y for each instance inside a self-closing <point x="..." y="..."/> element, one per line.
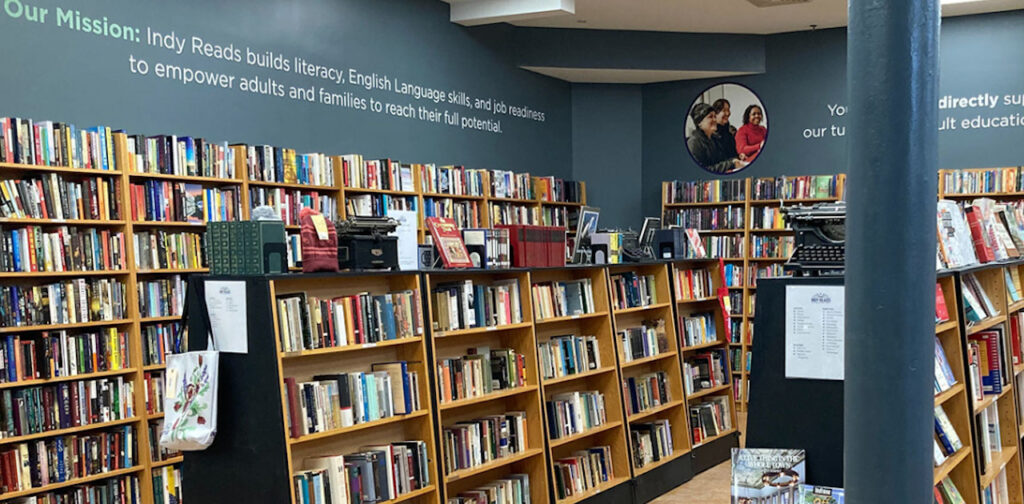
<point x="382" y="174"/>
<point x="161" y="201"/>
<point x="59" y="354"/>
<point x="699" y="328"/>
<point x="710" y="418"/>
<point x="48" y="143"/>
<point x="169" y="250"/>
<point x="69" y="457"/>
<point x="164" y="297"/>
<point x="287" y="203"/>
<point x="30" y="410"/>
<point x="454" y="180"/>
<point x="52" y="196"/>
<point x="274" y="164"/>
<point x="33" y="249"/>
<point x="630" y="290"/>
<point x="645" y="392"/>
<point x="704" y="191"/>
<point x="513" y="489"/>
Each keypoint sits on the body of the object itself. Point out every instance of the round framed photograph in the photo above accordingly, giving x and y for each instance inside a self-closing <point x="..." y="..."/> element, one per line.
<point x="726" y="128"/>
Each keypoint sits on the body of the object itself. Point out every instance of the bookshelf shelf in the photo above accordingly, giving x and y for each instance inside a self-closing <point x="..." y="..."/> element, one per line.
<point x="352" y="348"/>
<point x="562" y="203"/>
<point x="427" y="490"/>
<point x="710" y="391"/>
<point x="58" y="169"/>
<point x="770" y="230"/>
<point x="171" y="461"/>
<point x="60" y="379"/>
<point x="703" y="203"/>
<point x="699" y="300"/>
<point x="453" y="196"/>
<point x="705" y="346"/>
<point x="656" y="306"/>
<point x="984" y="403"/>
<point x="716" y="437"/>
<point x="60" y="327"/>
<point x="72" y="482"/>
<point x="949" y="394"/>
<point x="647" y="360"/>
<point x="578" y="376"/>
<point x="287" y="185"/>
<point x="168" y="224"/>
<point x="648" y="413"/>
<point x="154" y="367"/>
<point x="768" y="259"/>
<point x="570" y="318"/>
<point x="999" y="461"/>
<point x="319" y="436"/>
<point x="154" y="416"/>
<point x="151" y="320"/>
<point x="950" y="463"/>
<point x="1017" y="369"/>
<point x="61" y="222"/>
<point x="594" y="491"/>
<point x="654" y="465"/>
<point x="71" y="430"/>
<point x="1007" y="194"/>
<point x="494" y="396"/>
<point x="494" y="464"/>
<point x="985" y="324"/>
<point x="605" y="427"/>
<point x="1015" y="307"/>
<point x="720" y="231"/>
<point x="791" y="201"/>
<point x="482" y="330"/>
<point x="512" y="200"/>
<point x="172" y="271"/>
<point x="185" y="178"/>
<point x="945" y="326"/>
<point x="365" y="190"/>
<point x="61" y="274"/>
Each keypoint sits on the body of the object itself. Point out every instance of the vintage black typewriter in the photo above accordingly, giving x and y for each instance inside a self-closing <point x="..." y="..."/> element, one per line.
<point x="363" y="243"/>
<point x="820" y="239"/>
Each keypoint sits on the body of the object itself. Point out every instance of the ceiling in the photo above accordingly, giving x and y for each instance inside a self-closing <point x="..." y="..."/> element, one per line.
<point x="724" y="16"/>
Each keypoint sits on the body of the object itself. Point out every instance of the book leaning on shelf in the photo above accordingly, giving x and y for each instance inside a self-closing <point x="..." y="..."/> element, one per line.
<point x="977" y="304"/>
<point x="30" y="410"/>
<point x="169" y="250"/>
<point x="31" y="249"/>
<point x="648" y="340"/>
<point x="335" y="401"/>
<point x="466" y="305"/>
<point x="710" y="418"/>
<point x="373" y="474"/>
<point x="52" y="196"/>
<point x="584" y="470"/>
<point x="67" y="458"/>
<point x="568" y="355"/>
<point x="51" y="143"/>
<point x="275" y="164"/>
<point x="645" y="392"/>
<point x="699" y="328"/>
<point x="473" y="443"/>
<point x="630" y="290"/>
<point x="59" y="354"/>
<point x="181" y="156"/>
<point x="513" y="489"/>
<point x="153" y="381"/>
<point x="575" y="412"/>
<point x="307" y="323"/>
<point x="68" y="302"/>
<point x="944" y="378"/>
<point x="563" y="299"/>
<point x="705" y="370"/>
<point x="946" y="438"/>
<point x="651" y="442"/>
<point x="482" y="371"/>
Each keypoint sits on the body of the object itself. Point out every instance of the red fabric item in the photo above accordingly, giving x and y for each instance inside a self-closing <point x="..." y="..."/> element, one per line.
<point x="749" y="138"/>
<point x="317" y="254"/>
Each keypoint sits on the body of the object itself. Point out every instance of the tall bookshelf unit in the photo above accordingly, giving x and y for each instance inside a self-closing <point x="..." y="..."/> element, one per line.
<point x="604" y="379"/>
<point x="452" y="344"/>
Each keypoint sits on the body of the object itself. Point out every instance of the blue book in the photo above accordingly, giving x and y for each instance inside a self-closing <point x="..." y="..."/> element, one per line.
<point x="12" y="374"/>
<point x="16" y="245"/>
<point x="388" y="315"/>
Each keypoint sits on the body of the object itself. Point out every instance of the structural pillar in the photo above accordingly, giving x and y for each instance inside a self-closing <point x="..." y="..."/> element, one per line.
<point x="892" y="81"/>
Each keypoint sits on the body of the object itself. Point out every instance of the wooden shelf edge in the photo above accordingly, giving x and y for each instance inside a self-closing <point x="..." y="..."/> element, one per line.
<point x="578" y="376"/>
<point x="948" y="394"/>
<point x="986" y="324"/>
<point x="493" y="396"/>
<point x="647" y="360"/>
<point x="604" y="486"/>
<point x="71" y="482"/>
<point x="638" y="309"/>
<point x="568" y="318"/>
<point x="654" y="411"/>
<point x="706" y="392"/>
<point x="171" y="461"/>
<point x="481" y="330"/>
<point x="70" y="430"/>
<point x="555" y="443"/>
<point x="704" y="346"/>
<point x="951" y="462"/>
<point x="716" y="437"/>
<point x="60" y="379"/>
<point x="351" y="348"/>
<point x="494" y="464"/>
<point x="357" y="427"/>
<point x="58" y="327"/>
<point x="637" y="471"/>
<point x="945" y="326"/>
<point x="999" y="461"/>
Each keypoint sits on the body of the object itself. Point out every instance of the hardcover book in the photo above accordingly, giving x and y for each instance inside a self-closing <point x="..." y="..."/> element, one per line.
<point x="449" y="242"/>
<point x="810" y="494"/>
<point x="764" y="474"/>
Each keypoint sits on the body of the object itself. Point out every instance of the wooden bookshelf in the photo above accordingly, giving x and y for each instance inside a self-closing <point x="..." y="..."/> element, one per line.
<point x="674" y="409"/>
<point x="605" y="379"/>
<point x="519" y="337"/>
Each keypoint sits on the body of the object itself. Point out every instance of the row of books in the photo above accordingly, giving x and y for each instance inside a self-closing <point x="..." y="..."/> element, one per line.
<point x="166" y="485"/>
<point x="376" y="473"/>
<point x="694" y="284"/>
<point x="287" y="203"/>
<point x="944" y="378"/>
<point x="512" y="489"/>
<point x="706" y="218"/>
<point x="575" y="412"/>
<point x="698" y="328"/>
<point x="726" y="247"/>
<point x="736" y="302"/>
<point x="466" y="305"/>
<point x="630" y="290"/>
<point x="473" y="443"/>
<point x="163" y="297"/>
<point x="69" y="302"/>
<point x="647" y="340"/>
<point x="159" y="453"/>
<point x="34" y="410"/>
<point x="482" y="371"/>
<point x="59" y="354"/>
<point x="735" y="331"/>
<point x="705" y="370"/>
<point x="733" y="275"/>
<point x="556" y="189"/>
<point x="182" y="156"/>
<point x="158" y="340"/>
<point x="39" y="463"/>
<point x="563" y="299"/>
<point x="49" y="143"/>
<point x="513" y="214"/>
<point x="466" y="214"/>
<point x="335" y="401"/>
<point x="980" y="231"/>
<point x="454" y="180"/>
<point x="652" y="442"/>
<point x="154" y="383"/>
<point x="767" y="217"/>
<point x="992" y="180"/>
<point x="306" y="322"/>
<point x="800" y="187"/>
<point x="568" y="355"/>
<point x="265" y="163"/>
<point x="710" y="418"/>
<point x="32" y="249"/>
<point x="53" y="196"/>
<point x="946" y="440"/>
<point x="645" y="392"/>
<point x="771" y="246"/>
<point x="377" y="205"/>
<point x="488" y="248"/>
<point x="383" y="174"/>
<point x="507" y="184"/>
<point x="946" y="492"/>
<point x="764" y="271"/>
<point x="704" y="191"/>
<point x="169" y="250"/>
<point x="161" y="201"/>
<point x="584" y="470"/>
<point x="560" y="216"/>
<point x="735" y="358"/>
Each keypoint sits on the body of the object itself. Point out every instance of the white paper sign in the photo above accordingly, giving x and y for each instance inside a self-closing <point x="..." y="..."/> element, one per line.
<point x="226" y="304"/>
<point x="408" y="225"/>
<point x="815" y="334"/>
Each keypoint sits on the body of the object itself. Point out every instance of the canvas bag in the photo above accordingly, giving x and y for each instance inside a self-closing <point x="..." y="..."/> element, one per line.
<point x="319" y="252"/>
<point x="190" y="395"/>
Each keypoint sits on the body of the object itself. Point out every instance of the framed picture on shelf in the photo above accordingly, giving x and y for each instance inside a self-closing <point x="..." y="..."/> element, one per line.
<point x="585" y="228"/>
<point x="448" y="239"/>
<point x="647" y="232"/>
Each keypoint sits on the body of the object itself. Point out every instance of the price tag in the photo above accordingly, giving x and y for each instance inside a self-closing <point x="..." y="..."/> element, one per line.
<point x="369" y="345"/>
<point x="492" y="328"/>
<point x="320" y="224"/>
<point x="171" y="383"/>
<point x="576" y="316"/>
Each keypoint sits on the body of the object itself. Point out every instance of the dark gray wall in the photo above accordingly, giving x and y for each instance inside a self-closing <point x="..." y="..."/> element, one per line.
<point x="53" y="72"/>
<point x="606" y="142"/>
<point x="806" y="71"/>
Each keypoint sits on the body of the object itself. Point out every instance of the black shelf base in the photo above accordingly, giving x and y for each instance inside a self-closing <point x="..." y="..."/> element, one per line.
<point x="710" y="455"/>
<point x="659" y="481"/>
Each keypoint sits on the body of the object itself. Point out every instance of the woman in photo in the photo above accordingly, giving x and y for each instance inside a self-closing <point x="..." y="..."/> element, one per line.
<point x="725" y="133"/>
<point x="703" y="145"/>
<point x="750" y="137"/>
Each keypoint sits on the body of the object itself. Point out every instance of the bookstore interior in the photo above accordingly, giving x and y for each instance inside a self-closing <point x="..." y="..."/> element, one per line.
<point x="510" y="252"/>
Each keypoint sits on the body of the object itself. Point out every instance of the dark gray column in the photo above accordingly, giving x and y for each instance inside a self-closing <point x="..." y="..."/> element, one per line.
<point x="890" y="254"/>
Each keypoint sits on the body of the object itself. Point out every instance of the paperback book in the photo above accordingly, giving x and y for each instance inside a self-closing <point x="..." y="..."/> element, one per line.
<point x="765" y="474"/>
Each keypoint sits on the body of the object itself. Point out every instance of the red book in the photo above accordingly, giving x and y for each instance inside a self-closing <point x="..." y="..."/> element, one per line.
<point x="517" y="244"/>
<point x="292" y="390"/>
<point x="1015" y="338"/>
<point x="941" y="313"/>
<point x="448" y="241"/>
<point x="556" y="247"/>
<point x="981" y="246"/>
<point x="723" y="300"/>
<point x="938" y="496"/>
